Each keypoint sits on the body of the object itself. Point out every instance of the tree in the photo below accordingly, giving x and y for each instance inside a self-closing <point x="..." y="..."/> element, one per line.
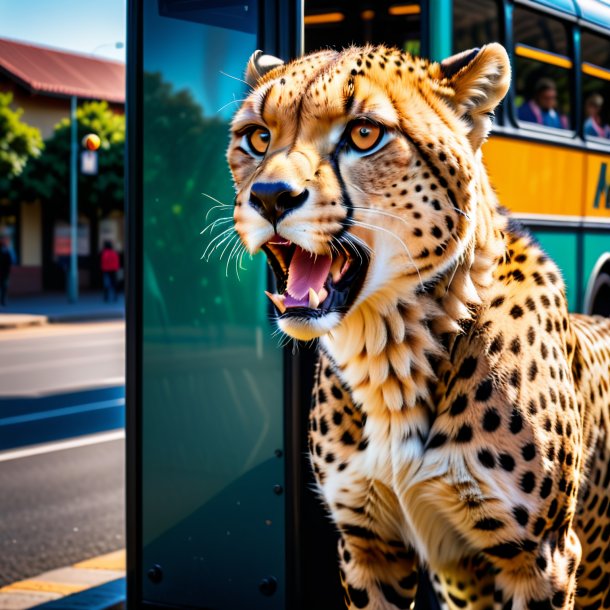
<point x="48" y="177"/>
<point x="183" y="161"/>
<point x="19" y="141"/>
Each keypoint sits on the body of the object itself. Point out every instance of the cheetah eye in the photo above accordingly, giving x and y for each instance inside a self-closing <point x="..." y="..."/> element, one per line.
<point x="364" y="135"/>
<point x="258" y="140"/>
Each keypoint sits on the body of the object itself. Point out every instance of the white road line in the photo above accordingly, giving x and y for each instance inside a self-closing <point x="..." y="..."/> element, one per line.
<point x="119" y="357"/>
<point x="64" y="346"/>
<point x="76" y="385"/>
<point x="60" y="330"/>
<point x="81" y="441"/>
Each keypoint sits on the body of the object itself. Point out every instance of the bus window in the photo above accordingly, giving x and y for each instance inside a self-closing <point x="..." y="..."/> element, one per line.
<point x="475" y="23"/>
<point x="542" y="66"/>
<point x="595" y="85"/>
<point x="341" y="24"/>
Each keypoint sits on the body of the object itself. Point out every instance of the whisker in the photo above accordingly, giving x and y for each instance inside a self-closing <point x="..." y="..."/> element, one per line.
<point x="382" y="213"/>
<point x="229" y="103"/>
<point x="231" y="242"/>
<point x="358" y="240"/>
<point x="376" y="228"/>
<point x="214" y="239"/>
<point x="222" y="241"/>
<point x="216" y="207"/>
<point x="343" y="247"/>
<point x="215" y="200"/>
<point x="355" y="186"/>
<point x="241" y="80"/>
<point x="220" y="204"/>
<point x="235" y="246"/>
<point x="241" y="257"/>
<point x="213" y="224"/>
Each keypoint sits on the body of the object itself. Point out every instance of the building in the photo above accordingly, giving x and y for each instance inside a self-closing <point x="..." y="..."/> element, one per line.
<point x="43" y="81"/>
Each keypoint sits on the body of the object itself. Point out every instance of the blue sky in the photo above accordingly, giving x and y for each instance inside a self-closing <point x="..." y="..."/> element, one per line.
<point x="85" y="26"/>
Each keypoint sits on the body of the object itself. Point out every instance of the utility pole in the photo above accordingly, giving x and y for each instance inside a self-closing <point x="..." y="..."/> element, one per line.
<point x="73" y="271"/>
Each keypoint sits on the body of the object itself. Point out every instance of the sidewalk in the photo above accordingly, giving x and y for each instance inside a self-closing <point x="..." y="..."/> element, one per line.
<point x="94" y="584"/>
<point x="54" y="307"/>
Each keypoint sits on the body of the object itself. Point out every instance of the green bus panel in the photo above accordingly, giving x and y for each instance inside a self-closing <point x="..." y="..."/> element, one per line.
<point x="563" y="248"/>
<point x="212" y="466"/>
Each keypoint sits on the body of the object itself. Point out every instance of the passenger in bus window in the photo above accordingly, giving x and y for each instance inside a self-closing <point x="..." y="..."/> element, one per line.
<point x="541" y="108"/>
<point x="594" y="125"/>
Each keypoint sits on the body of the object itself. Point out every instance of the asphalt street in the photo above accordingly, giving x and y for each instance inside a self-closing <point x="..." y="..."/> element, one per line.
<point x="60" y="358"/>
<point x="61" y="445"/>
<point x="60" y="506"/>
<point x="60" y="381"/>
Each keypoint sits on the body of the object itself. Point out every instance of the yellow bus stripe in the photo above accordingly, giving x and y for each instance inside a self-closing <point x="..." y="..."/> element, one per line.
<point x="596" y="71"/>
<point x="110" y="561"/>
<point x="405" y="9"/>
<point x="44" y="586"/>
<point x="324" y="18"/>
<point x="543" y="56"/>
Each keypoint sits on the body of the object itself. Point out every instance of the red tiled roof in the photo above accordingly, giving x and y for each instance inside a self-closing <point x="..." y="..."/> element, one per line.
<point x="62" y="74"/>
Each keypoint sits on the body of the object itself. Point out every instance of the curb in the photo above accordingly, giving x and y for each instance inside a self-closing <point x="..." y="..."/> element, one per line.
<point x="18" y="320"/>
<point x="97" y="316"/>
<point x="62" y="582"/>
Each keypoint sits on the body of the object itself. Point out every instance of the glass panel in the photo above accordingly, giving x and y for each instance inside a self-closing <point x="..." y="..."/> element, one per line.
<point x="475" y="24"/>
<point x="540" y="31"/>
<point x="542" y="61"/>
<point x="212" y="375"/>
<point x="343" y="23"/>
<point x="596" y="85"/>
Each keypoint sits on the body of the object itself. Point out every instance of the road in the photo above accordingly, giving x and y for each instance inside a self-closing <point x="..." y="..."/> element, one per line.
<point x="61" y="358"/>
<point x="60" y="506"/>
<point x="60" y="380"/>
<point x="61" y="498"/>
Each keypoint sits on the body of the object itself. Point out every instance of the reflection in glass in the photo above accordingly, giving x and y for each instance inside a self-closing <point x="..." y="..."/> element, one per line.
<point x="211" y="373"/>
<point x="475" y="24"/>
<point x="542" y="71"/>
<point x="359" y="23"/>
<point x="596" y="85"/>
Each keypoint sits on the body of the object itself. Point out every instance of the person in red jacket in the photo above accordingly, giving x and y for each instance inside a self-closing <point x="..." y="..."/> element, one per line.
<point x="110" y="264"/>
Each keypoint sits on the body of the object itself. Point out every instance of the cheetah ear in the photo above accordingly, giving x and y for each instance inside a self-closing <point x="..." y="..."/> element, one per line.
<point x="480" y="79"/>
<point x="258" y="65"/>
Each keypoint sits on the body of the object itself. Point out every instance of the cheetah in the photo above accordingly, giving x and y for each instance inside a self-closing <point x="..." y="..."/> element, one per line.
<point x="460" y="414"/>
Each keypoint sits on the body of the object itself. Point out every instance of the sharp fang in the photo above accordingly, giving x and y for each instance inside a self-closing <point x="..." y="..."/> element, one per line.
<point x="335" y="268"/>
<point x="314" y="300"/>
<point x="322" y="294"/>
<point x="277" y="300"/>
<point x="345" y="267"/>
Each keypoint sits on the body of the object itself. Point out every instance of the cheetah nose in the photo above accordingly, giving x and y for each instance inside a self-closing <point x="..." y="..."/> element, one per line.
<point x="273" y="200"/>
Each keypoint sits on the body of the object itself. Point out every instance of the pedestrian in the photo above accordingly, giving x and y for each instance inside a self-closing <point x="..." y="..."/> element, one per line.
<point x="6" y="261"/>
<point x="110" y="264"/>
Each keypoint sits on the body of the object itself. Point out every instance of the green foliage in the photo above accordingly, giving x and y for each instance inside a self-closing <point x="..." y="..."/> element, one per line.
<point x="19" y="141"/>
<point x="184" y="159"/>
<point x="48" y="177"/>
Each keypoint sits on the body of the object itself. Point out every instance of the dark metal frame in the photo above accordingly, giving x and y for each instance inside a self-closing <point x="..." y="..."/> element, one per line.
<point x="133" y="294"/>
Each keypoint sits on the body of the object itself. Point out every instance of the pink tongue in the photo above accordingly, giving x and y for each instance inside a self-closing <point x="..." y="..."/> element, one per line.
<point x="307" y="271"/>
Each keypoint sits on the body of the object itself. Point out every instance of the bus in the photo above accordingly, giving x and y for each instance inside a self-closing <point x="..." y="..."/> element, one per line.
<point x="553" y="177"/>
<point x="221" y="508"/>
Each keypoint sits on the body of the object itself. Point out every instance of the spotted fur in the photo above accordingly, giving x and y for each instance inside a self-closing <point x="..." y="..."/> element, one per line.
<point x="460" y="414"/>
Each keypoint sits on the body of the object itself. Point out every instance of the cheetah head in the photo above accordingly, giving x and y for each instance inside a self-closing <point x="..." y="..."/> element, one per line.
<point x="356" y="172"/>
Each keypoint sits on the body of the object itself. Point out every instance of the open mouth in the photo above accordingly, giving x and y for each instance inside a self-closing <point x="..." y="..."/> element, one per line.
<point x="311" y="284"/>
